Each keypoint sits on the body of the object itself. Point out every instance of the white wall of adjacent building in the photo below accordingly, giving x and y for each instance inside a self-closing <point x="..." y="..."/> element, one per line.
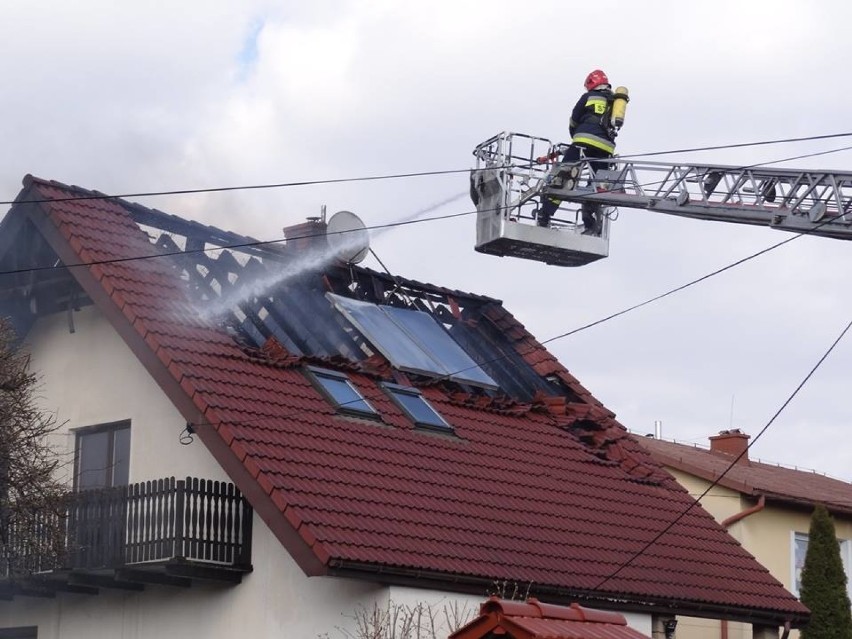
<point x="90" y="377"/>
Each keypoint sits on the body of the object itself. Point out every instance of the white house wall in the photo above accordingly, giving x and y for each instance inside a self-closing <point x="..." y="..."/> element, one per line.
<point x="90" y="377"/>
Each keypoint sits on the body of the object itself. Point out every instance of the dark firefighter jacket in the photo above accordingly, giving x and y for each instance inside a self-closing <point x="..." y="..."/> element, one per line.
<point x="590" y="118"/>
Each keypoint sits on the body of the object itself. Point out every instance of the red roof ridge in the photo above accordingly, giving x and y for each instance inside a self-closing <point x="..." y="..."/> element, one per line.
<point x="532" y="607"/>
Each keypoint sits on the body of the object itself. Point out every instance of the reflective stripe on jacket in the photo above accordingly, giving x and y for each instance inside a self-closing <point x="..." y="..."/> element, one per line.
<point x="587" y="139"/>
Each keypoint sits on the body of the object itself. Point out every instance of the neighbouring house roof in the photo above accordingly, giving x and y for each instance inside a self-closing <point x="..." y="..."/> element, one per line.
<point x="536" y="620"/>
<point x="794" y="487"/>
<point x="537" y="484"/>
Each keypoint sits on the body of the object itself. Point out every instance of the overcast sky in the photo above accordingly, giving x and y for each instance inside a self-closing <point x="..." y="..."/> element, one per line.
<point x="156" y="95"/>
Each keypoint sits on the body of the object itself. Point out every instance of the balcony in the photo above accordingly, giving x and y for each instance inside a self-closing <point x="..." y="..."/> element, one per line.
<point x="163" y="532"/>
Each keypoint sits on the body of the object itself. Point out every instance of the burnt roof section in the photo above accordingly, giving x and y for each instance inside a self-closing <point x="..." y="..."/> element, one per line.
<point x="793" y="487"/>
<point x="538" y="485"/>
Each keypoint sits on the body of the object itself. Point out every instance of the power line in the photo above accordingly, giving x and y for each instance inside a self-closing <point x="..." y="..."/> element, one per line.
<point x="390" y="176"/>
<point x="244" y="187"/>
<point x="733" y="463"/>
<point x="677" y="289"/>
<point x="257" y="243"/>
<point x="740" y="145"/>
<point x="225" y="247"/>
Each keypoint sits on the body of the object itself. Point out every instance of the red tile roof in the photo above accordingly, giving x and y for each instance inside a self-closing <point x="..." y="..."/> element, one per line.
<point x="552" y="493"/>
<point x="795" y="487"/>
<point x="536" y="620"/>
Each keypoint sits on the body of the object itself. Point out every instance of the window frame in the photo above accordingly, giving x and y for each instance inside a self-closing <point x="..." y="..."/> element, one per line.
<point x="316" y="376"/>
<point x="796" y="576"/>
<point x="393" y="390"/>
<point x="111" y="428"/>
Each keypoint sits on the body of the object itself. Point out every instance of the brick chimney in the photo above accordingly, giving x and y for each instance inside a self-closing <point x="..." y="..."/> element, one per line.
<point x="307" y="235"/>
<point x="732" y="443"/>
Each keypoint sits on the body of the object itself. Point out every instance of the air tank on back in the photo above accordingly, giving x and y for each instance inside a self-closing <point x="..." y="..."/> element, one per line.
<point x="619" y="106"/>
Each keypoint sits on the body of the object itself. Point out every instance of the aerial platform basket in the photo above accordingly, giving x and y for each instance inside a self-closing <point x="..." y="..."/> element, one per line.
<point x="507" y="186"/>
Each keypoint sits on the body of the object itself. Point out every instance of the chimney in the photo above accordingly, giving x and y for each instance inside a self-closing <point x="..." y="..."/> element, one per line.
<point x="308" y="235"/>
<point x="732" y="443"/>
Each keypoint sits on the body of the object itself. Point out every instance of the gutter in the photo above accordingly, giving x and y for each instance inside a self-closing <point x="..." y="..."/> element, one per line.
<point x="761" y="504"/>
<point x="456" y="582"/>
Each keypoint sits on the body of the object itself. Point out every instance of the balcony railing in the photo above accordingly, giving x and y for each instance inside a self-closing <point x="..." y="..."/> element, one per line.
<point x="172" y="528"/>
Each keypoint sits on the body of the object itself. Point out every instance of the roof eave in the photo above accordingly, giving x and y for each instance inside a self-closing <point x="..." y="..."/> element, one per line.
<point x="453" y="582"/>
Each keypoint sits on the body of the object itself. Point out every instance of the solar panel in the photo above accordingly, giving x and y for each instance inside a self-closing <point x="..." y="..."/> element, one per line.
<point x="412" y="341"/>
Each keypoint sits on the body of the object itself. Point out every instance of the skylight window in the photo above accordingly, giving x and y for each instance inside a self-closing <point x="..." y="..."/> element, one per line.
<point x="339" y="391"/>
<point x="418" y="409"/>
<point x="412" y="341"/>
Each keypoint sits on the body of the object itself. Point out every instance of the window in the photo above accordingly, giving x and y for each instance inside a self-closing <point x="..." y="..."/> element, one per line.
<point x="339" y="391"/>
<point x="416" y="407"/>
<point x="102" y="457"/>
<point x="29" y="632"/>
<point x="800" y="549"/>
<point x="412" y="341"/>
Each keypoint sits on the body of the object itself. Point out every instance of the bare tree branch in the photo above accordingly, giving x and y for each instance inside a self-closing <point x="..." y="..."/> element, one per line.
<point x="32" y="499"/>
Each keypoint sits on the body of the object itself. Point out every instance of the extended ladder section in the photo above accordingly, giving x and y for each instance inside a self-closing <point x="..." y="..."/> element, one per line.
<point x="800" y="201"/>
<point x="509" y="184"/>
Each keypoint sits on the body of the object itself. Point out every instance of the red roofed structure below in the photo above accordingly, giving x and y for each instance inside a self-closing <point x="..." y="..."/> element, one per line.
<point x="537" y="620"/>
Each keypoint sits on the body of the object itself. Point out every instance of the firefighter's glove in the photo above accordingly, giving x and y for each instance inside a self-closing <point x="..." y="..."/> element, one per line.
<point x="544" y="159"/>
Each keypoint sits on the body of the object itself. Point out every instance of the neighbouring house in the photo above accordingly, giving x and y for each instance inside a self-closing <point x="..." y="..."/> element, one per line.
<point x="766" y="507"/>
<point x="351" y="439"/>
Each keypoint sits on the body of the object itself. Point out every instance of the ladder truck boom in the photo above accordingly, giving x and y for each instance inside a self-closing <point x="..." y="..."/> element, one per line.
<point x="508" y="185"/>
<point x="801" y="201"/>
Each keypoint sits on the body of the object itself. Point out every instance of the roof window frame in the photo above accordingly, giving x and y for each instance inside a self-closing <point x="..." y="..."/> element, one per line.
<point x="394" y="390"/>
<point x="317" y="375"/>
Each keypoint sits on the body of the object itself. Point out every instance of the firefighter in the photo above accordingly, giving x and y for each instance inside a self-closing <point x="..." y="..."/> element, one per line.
<point x="592" y="135"/>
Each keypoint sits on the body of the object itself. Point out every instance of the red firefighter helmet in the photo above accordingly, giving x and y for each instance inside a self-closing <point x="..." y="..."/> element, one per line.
<point x="595" y="79"/>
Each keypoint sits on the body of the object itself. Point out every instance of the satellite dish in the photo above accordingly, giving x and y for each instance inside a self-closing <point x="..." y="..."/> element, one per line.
<point x="348" y="237"/>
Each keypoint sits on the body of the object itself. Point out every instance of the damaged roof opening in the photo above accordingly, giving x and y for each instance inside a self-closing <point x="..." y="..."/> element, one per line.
<point x="412" y="341"/>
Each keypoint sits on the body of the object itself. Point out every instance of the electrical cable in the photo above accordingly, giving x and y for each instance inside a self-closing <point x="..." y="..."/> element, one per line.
<point x="391" y="176"/>
<point x="677" y="289"/>
<point x="737" y="146"/>
<point x="244" y="187"/>
<point x="256" y="243"/>
<point x="733" y="463"/>
<point x="241" y="245"/>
